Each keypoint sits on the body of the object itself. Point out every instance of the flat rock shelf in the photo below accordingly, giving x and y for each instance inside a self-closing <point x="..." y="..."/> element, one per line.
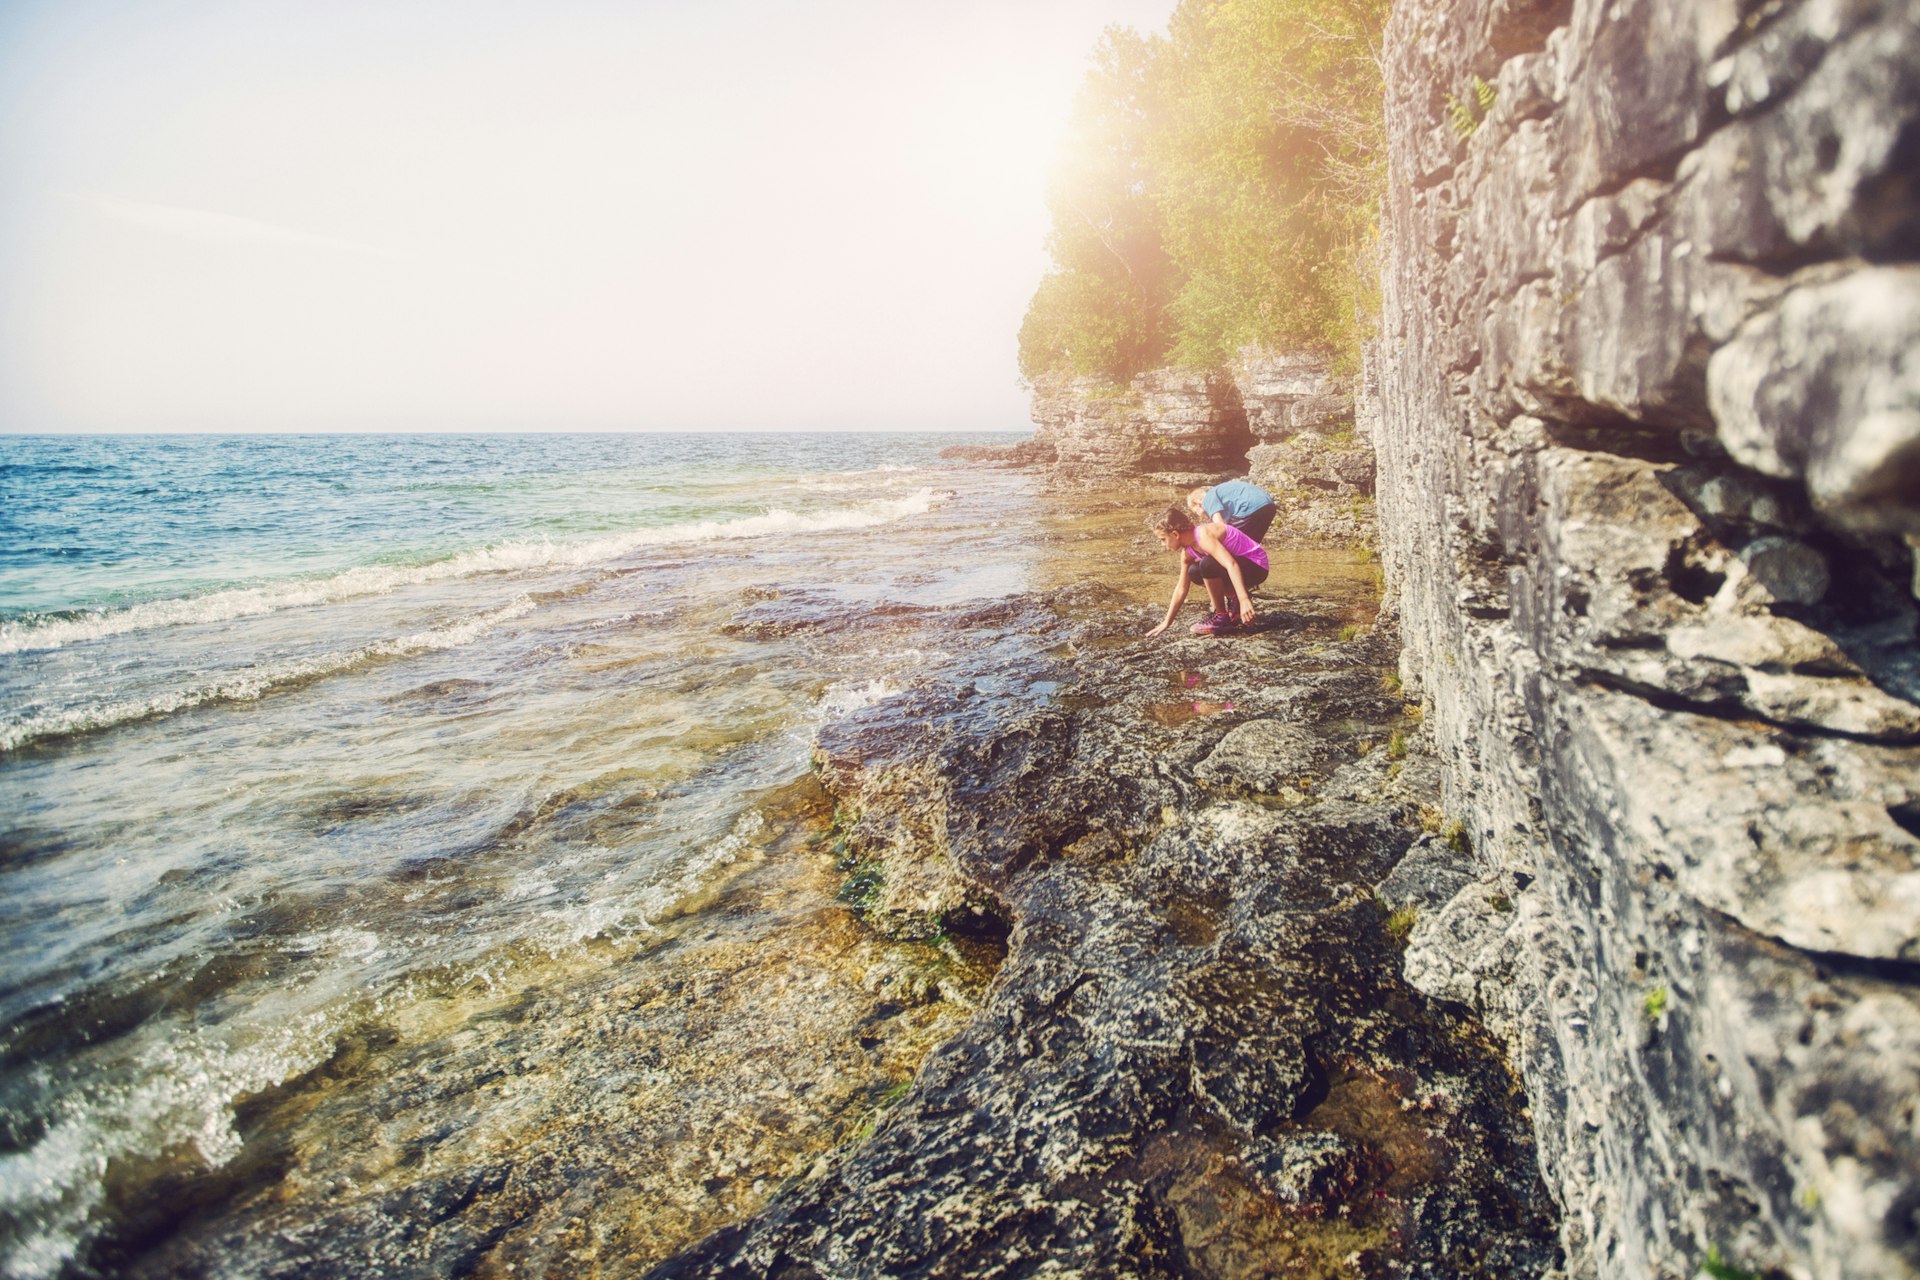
<point x="1199" y="1057"/>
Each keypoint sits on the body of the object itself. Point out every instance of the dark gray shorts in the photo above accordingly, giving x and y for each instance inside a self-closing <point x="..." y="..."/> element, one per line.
<point x="1256" y="523"/>
<point x="1250" y="573"/>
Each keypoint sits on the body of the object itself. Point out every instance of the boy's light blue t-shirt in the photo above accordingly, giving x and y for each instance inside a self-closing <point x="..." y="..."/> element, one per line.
<point x="1238" y="498"/>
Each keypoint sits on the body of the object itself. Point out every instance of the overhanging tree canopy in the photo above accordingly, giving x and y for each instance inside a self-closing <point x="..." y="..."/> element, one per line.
<point x="1218" y="188"/>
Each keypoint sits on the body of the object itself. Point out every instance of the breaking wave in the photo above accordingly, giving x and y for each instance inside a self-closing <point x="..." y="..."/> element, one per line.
<point x="28" y="635"/>
<point x="256" y="682"/>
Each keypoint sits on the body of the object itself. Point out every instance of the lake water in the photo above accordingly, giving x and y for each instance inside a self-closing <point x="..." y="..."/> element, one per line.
<point x="409" y="862"/>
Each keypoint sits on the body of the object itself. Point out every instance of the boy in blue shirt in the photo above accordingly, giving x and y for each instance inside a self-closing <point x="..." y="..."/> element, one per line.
<point x="1239" y="503"/>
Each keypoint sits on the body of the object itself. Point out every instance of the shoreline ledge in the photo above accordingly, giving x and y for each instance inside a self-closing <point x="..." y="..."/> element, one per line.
<point x="1200" y="1056"/>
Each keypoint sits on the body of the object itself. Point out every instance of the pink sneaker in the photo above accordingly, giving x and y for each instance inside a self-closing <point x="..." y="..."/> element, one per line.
<point x="1215" y="624"/>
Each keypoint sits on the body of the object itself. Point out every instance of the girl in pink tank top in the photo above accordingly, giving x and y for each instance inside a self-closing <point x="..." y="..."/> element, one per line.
<point x="1222" y="558"/>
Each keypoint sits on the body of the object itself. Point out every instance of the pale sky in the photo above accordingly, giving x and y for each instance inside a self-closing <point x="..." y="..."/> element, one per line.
<point x="336" y="215"/>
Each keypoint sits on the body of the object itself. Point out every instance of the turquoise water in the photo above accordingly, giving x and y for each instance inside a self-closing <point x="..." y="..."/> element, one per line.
<point x="91" y="524"/>
<point x="208" y="538"/>
<point x="301" y="734"/>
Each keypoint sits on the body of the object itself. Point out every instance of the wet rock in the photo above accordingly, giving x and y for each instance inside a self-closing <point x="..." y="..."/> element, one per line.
<point x="1024" y="453"/>
<point x="1308" y="1168"/>
<point x="776" y="616"/>
<point x="1263" y="755"/>
<point x="1199" y="1057"/>
<point x="647" y="1106"/>
<point x="1428" y="877"/>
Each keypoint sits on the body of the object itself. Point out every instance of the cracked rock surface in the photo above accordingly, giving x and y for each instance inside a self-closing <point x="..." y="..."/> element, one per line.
<point x="1199" y="1057"/>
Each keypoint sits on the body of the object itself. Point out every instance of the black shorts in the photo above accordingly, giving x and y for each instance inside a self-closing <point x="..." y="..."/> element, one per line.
<point x="1250" y="573"/>
<point x="1256" y="523"/>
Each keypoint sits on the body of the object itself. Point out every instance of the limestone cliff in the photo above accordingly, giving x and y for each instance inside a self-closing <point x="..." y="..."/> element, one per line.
<point x="1284" y="419"/>
<point x="1164" y="420"/>
<point x="1649" y="476"/>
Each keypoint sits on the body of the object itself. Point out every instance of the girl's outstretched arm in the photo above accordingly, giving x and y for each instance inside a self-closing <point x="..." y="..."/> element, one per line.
<point x="1179" y="598"/>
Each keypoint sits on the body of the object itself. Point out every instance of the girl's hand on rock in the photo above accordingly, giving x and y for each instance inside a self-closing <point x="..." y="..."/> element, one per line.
<point x="1157" y="630"/>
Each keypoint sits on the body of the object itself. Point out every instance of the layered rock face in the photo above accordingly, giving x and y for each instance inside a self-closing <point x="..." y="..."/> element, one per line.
<point x="1649" y="481"/>
<point x="1163" y="420"/>
<point x="1283" y="420"/>
<point x="1286" y="393"/>
<point x="1309" y="456"/>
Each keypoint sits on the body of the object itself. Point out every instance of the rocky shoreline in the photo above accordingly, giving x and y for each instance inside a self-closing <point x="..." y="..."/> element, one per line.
<point x="1200" y="1057"/>
<point x="1647" y="424"/>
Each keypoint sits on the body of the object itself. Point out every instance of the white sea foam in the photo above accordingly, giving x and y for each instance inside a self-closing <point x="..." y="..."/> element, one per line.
<point x="636" y="912"/>
<point x="245" y="602"/>
<point x="184" y="1094"/>
<point x="850" y="696"/>
<point x="840" y="479"/>
<point x="345" y="942"/>
<point x="531" y="884"/>
<point x="51" y="1191"/>
<point x="257" y="681"/>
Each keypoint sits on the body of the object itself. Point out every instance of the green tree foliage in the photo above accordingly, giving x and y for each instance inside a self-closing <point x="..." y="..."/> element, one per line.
<point x="1102" y="310"/>
<point x="1235" y="168"/>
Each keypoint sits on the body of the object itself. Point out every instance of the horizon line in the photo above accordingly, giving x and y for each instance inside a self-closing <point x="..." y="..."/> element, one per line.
<point x="520" y="431"/>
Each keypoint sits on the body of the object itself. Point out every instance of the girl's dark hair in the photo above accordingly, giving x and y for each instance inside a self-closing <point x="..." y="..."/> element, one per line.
<point x="1174" y="520"/>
